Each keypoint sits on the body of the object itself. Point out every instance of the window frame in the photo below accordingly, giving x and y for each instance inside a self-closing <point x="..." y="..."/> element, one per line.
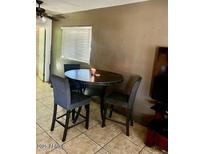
<point x="90" y="40"/>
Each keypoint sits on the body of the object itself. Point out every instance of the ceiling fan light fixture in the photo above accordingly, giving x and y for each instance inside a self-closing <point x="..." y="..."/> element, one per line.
<point x="40" y="21"/>
<point x="43" y="19"/>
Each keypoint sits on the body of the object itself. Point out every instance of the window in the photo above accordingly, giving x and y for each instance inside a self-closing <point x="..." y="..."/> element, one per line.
<point x="76" y="43"/>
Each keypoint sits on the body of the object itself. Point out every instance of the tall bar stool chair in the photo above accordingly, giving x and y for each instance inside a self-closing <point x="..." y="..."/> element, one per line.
<point x="69" y="100"/>
<point x="74" y="86"/>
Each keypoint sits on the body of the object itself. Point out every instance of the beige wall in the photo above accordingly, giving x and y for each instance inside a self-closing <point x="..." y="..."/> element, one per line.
<point x="37" y="48"/>
<point x="124" y="40"/>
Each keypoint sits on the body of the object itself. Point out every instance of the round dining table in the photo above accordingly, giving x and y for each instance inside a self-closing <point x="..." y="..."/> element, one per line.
<point x="100" y="78"/>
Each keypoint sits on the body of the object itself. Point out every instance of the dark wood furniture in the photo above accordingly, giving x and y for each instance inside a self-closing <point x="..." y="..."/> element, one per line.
<point x="102" y="79"/>
<point x="161" y="60"/>
<point x="117" y="99"/>
<point x="157" y="134"/>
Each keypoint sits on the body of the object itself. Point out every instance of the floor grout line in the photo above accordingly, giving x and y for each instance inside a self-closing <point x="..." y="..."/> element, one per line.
<point x="131" y="140"/>
<point x="61" y="144"/>
<point x="52" y="139"/>
<point x="134" y="142"/>
<point x="41" y="128"/>
<point x="101" y="149"/>
<point x="142" y="149"/>
<point x="111" y="141"/>
<point x="97" y="143"/>
<point x="92" y="139"/>
<point x="69" y="141"/>
<point x="57" y="148"/>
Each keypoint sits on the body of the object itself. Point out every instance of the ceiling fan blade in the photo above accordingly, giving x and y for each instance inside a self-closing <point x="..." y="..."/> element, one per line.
<point x="39" y="9"/>
<point x="59" y="16"/>
<point x="50" y="17"/>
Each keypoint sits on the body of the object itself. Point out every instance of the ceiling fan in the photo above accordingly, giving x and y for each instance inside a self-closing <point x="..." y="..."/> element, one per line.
<point x="41" y="12"/>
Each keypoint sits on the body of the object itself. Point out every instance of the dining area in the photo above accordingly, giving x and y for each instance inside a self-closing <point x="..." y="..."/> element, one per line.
<point x="83" y="112"/>
<point x="80" y="95"/>
<point x="94" y="78"/>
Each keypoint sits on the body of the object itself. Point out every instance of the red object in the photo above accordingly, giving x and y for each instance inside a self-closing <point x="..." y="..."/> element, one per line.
<point x="156" y="139"/>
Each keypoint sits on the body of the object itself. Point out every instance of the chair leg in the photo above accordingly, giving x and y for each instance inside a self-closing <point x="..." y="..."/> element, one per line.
<point x="54" y="117"/>
<point x="73" y="115"/>
<point x="77" y="114"/>
<point x="111" y="109"/>
<point x="131" y="119"/>
<point x="104" y="115"/>
<point x="101" y="107"/>
<point x="102" y="102"/>
<point x="87" y="108"/>
<point x="127" y="123"/>
<point x="66" y="125"/>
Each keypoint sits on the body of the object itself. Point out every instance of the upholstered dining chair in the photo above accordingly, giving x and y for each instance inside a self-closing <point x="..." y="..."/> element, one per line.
<point x="68" y="100"/>
<point x="74" y="86"/>
<point x="68" y="67"/>
<point x="124" y="101"/>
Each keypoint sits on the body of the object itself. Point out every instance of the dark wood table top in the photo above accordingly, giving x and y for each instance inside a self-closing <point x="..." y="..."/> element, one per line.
<point x="101" y="78"/>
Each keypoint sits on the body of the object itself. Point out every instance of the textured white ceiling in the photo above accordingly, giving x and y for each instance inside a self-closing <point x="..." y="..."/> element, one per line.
<point x="68" y="6"/>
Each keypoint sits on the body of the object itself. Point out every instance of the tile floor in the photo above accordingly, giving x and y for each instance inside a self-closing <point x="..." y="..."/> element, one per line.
<point x="110" y="139"/>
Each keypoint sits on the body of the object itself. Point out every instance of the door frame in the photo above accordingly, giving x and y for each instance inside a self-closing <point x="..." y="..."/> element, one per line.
<point x="47" y="54"/>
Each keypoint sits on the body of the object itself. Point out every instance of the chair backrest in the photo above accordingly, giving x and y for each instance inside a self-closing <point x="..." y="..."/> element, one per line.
<point x="61" y="90"/>
<point x="68" y="67"/>
<point x="136" y="83"/>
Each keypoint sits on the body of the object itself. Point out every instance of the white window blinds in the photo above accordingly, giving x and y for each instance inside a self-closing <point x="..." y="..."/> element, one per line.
<point x="76" y="43"/>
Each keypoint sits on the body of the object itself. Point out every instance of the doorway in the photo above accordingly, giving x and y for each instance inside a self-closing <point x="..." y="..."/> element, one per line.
<point x="43" y="50"/>
<point x="40" y="52"/>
